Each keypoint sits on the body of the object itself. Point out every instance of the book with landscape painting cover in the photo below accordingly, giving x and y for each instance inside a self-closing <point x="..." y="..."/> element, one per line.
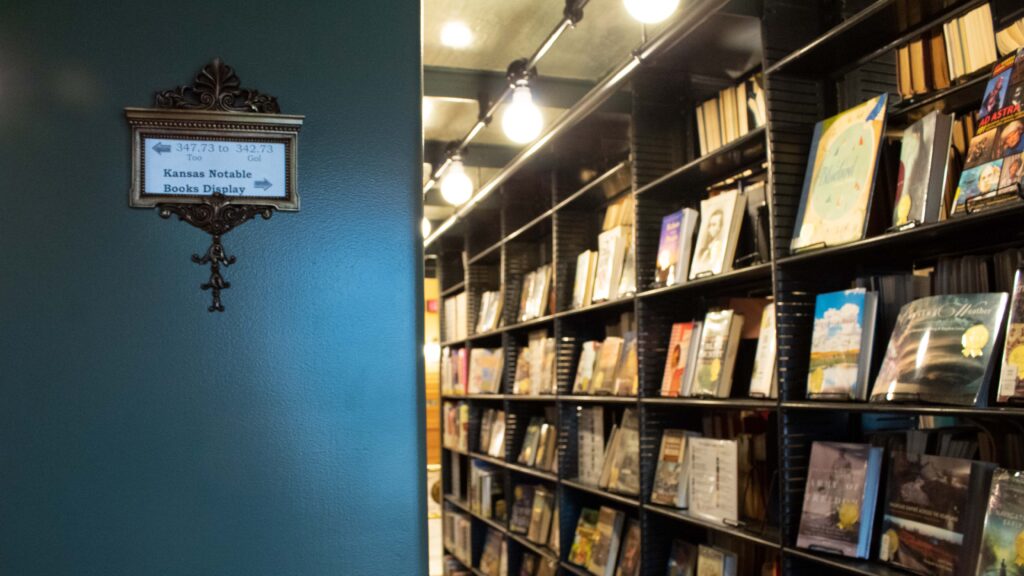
<point x="844" y="326"/>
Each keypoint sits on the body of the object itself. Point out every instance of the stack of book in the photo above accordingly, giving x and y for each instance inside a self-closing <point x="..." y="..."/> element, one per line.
<point x="609" y="272"/>
<point x="456" y="317"/>
<point x="454" y="371"/>
<point x="485" y="367"/>
<point x="456" y="425"/>
<point x="458" y="535"/>
<point x="540" y="446"/>
<point x="489" y="314"/>
<point x="492" y="433"/>
<point x="535" y="366"/>
<point x="1011" y="38"/>
<point x="735" y="112"/>
<point x="486" y="490"/>
<point x="535" y="294"/>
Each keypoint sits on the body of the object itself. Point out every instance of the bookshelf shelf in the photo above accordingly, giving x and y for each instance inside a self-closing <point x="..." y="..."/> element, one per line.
<point x="768" y="538"/>
<point x="618" y="498"/>
<point x="465" y="508"/>
<point x="533" y="547"/>
<point x="726" y="161"/>
<point x="817" y="58"/>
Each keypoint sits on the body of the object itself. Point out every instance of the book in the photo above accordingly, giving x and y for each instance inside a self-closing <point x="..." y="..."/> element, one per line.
<point x="627" y="279"/>
<point x="496" y="448"/>
<point x="545" y="446"/>
<point x="529" y="564"/>
<point x="713" y="561"/>
<point x="585" y="537"/>
<point x="841" y="343"/>
<point x="839" y="498"/>
<point x="611" y="247"/>
<point x="590" y="441"/>
<point x="583" y="285"/>
<point x="585" y="367"/>
<point x="540" y="516"/>
<point x="921" y="182"/>
<point x="610" y="451"/>
<point x="554" y="538"/>
<point x="682" y="559"/>
<point x="624" y="469"/>
<point x="547" y="368"/>
<point x="547" y="567"/>
<point x="485" y="370"/>
<point x="720" y="219"/>
<point x="522" y="384"/>
<point x="526" y="297"/>
<point x="675" y="247"/>
<point x="607" y="362"/>
<point x="489" y="312"/>
<point x="671" y="476"/>
<point x="606" y="545"/>
<point x="758" y="224"/>
<point x="716" y="355"/>
<point x="840" y="176"/>
<point x="1001" y="548"/>
<point x="941" y="350"/>
<point x="714" y="479"/>
<point x="626" y="379"/>
<point x="522" y="507"/>
<point x="629" y="557"/>
<point x="1011" y="374"/>
<point x="994" y="166"/>
<point x="528" y="453"/>
<point x="763" y="381"/>
<point x="929" y="526"/>
<point x="677" y="357"/>
<point x="490" y="558"/>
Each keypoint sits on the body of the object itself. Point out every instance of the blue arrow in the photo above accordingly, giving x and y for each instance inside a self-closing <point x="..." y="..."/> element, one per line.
<point x="160" y="148"/>
<point x="263" y="184"/>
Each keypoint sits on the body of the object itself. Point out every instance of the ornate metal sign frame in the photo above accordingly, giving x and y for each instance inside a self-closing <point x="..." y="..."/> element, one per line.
<point x="214" y="107"/>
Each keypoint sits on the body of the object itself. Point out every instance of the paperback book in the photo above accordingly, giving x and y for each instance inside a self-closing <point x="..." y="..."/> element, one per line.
<point x="839" y="499"/>
<point x="607" y="362"/>
<point x="624" y="460"/>
<point x="540" y="516"/>
<point x="671" y="477"/>
<point x="606" y="545"/>
<point x="676" y="361"/>
<point x="522" y="506"/>
<point x="611" y="249"/>
<point x="1011" y="375"/>
<point x="682" y="559"/>
<point x="629" y="557"/>
<point x="716" y="355"/>
<point x="675" y="247"/>
<point x="840" y="177"/>
<point x="585" y="367"/>
<point x="1002" y="547"/>
<point x="763" y="382"/>
<point x="485" y="370"/>
<point x="586" y="535"/>
<point x="714" y="479"/>
<point x="713" y="561"/>
<point x="841" y="342"/>
<point x="583" y="287"/>
<point x="720" y="219"/>
<point x="941" y="350"/>
<point x="924" y="155"/>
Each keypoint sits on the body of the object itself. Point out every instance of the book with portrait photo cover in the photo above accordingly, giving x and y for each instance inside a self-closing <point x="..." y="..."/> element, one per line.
<point x="720" y="219"/>
<point x="942" y="350"/>
<point x="840" y="177"/>
<point x="994" y="166"/>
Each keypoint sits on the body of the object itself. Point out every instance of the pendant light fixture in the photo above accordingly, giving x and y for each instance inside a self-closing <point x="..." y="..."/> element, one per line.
<point x="522" y="121"/>
<point x="651" y="11"/>
<point x="425" y="227"/>
<point x="456" y="187"/>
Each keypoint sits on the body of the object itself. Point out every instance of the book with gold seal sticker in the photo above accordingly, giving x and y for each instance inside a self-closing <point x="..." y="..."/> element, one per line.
<point x="1011" y="375"/>
<point x="840" y="177"/>
<point x="942" y="350"/>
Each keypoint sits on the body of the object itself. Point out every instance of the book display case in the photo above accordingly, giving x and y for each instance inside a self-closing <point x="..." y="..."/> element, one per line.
<point x="817" y="59"/>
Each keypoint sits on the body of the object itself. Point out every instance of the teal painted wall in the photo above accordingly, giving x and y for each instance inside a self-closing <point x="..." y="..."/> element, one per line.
<point x="141" y="435"/>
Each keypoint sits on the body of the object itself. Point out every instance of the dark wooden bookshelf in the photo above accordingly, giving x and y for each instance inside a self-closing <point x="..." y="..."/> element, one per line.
<point x="817" y="58"/>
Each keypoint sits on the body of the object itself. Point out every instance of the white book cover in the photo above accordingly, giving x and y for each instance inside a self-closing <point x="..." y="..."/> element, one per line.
<point x="714" y="479"/>
<point x="764" y="359"/>
<point x="611" y="246"/>
<point x="585" y="368"/>
<point x="591" y="444"/>
<point x="720" y="220"/>
<point x="583" y="275"/>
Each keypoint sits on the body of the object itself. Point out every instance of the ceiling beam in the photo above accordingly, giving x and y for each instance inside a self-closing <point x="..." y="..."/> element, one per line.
<point x="548" y="91"/>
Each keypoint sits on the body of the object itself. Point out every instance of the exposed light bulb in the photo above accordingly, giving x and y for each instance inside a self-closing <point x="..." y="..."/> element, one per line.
<point x="522" y="121"/>
<point x="456" y="187"/>
<point x="651" y="11"/>
<point x="456" y="34"/>
<point x="425" y="227"/>
<point x="428" y="109"/>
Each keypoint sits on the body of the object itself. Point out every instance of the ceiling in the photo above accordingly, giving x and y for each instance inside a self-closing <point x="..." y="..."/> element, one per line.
<point x="503" y="31"/>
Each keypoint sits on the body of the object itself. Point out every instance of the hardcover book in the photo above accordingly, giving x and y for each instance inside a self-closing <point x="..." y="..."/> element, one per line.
<point x="682" y="559"/>
<point x="629" y="557"/>
<point x="922" y="173"/>
<point x="716" y="354"/>
<point x="763" y="382"/>
<point x="840" y="176"/>
<point x="929" y="525"/>
<point x="839" y="499"/>
<point x="586" y="535"/>
<point x="1002" y="548"/>
<point x="670" y="477"/>
<point x="606" y="546"/>
<point x="714" y="479"/>
<point x="841" y="342"/>
<point x="1011" y="376"/>
<point x="675" y="247"/>
<point x="720" y="220"/>
<point x="678" y="355"/>
<point x="941" y="350"/>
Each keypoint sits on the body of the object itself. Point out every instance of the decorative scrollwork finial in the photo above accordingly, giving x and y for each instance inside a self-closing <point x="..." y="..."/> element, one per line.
<point x="217" y="87"/>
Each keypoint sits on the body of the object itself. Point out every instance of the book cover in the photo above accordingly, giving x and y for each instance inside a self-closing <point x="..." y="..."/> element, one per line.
<point x="625" y="459"/>
<point x="629" y="557"/>
<point x="611" y="247"/>
<point x="1002" y="545"/>
<point x="590" y="439"/>
<point x="714" y="479"/>
<point x="583" y="541"/>
<point x="583" y="280"/>
<point x="678" y="355"/>
<point x="711" y="561"/>
<point x="720" y="218"/>
<point x="840" y="176"/>
<point x="490" y="558"/>
<point x="668" y="249"/>
<point x="839" y="498"/>
<point x="540" y="516"/>
<point x="627" y="279"/>
<point x="926" y="513"/>
<point x="522" y="383"/>
<point x="669" y="474"/>
<point x="606" y="545"/>
<point x="585" y="367"/>
<point x="941" y="350"/>
<point x="923" y="153"/>
<point x="485" y="370"/>
<point x="522" y="507"/>
<point x="546" y="432"/>
<point x="840" y="344"/>
<point x="1011" y="375"/>
<point x="717" y="354"/>
<point x="626" y="382"/>
<point x="607" y="362"/>
<point x="762" y="379"/>
<point x="682" y="559"/>
<point x="528" y="453"/>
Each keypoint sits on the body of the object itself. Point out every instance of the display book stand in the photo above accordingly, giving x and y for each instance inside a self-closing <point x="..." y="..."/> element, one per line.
<point x="816" y="63"/>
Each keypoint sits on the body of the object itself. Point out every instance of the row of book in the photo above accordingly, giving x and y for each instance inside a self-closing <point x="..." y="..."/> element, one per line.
<point x="535" y="515"/>
<point x="735" y="112"/>
<point x="609" y="272"/>
<point x="458" y="535"/>
<point x="934" y="520"/>
<point x="456" y="317"/>
<point x="609" y="367"/>
<point x="535" y="365"/>
<point x="540" y="446"/>
<point x="942" y="55"/>
<point x="486" y="491"/>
